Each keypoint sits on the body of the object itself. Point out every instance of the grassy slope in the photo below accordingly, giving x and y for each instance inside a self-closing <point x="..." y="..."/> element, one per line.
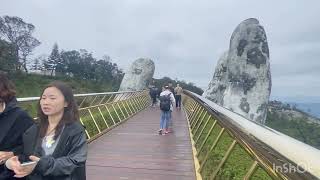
<point x="298" y="128"/>
<point x="29" y="85"/>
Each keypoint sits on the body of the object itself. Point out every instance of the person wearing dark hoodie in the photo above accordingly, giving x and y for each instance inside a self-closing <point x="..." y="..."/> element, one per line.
<point x="57" y="146"/>
<point x="13" y="123"/>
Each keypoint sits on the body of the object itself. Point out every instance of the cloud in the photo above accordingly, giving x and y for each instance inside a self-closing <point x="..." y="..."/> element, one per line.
<point x="185" y="38"/>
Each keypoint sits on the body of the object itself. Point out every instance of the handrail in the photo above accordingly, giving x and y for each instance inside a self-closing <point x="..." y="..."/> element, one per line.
<point x="78" y="95"/>
<point x="100" y="112"/>
<point x="285" y="145"/>
<point x="267" y="144"/>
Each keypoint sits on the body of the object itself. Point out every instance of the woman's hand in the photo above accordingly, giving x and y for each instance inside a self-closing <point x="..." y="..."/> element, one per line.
<point x="4" y="155"/>
<point x="13" y="163"/>
<point x="23" y="171"/>
<point x="34" y="158"/>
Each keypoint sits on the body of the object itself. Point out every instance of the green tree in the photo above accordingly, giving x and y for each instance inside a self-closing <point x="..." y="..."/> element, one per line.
<point x="187" y="86"/>
<point x="38" y="63"/>
<point x="83" y="65"/>
<point x="71" y="60"/>
<point x="54" y="60"/>
<point x="108" y="72"/>
<point x="298" y="128"/>
<point x="7" y="58"/>
<point x="19" y="34"/>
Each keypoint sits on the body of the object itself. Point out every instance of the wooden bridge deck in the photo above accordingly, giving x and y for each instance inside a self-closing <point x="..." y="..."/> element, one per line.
<point x="134" y="150"/>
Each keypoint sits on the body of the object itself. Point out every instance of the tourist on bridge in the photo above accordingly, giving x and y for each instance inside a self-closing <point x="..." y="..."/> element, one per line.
<point x="170" y="123"/>
<point x="178" y="92"/>
<point x="171" y="88"/>
<point x="166" y="105"/>
<point x="13" y="122"/>
<point x="153" y="94"/>
<point x="57" y="147"/>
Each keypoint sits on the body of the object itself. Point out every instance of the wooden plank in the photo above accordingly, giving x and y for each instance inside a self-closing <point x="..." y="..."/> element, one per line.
<point x="135" y="151"/>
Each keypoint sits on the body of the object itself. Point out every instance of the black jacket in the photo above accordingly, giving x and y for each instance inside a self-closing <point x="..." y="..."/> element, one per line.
<point x="13" y="123"/>
<point x="68" y="159"/>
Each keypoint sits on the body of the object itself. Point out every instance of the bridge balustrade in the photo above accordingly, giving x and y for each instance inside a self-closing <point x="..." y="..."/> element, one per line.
<point x="225" y="144"/>
<point x="228" y="146"/>
<point x="100" y="112"/>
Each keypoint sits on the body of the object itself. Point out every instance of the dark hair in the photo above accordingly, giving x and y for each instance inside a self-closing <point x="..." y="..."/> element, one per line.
<point x="7" y="89"/>
<point x="70" y="113"/>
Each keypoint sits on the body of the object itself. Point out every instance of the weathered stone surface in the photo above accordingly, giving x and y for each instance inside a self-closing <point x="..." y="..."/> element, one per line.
<point x="247" y="79"/>
<point x="217" y="85"/>
<point x="138" y="76"/>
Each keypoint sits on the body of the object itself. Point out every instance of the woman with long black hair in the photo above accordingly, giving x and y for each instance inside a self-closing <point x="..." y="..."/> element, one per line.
<point x="57" y="147"/>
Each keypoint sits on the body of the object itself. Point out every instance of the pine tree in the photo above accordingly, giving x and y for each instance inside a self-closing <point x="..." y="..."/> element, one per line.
<point x="36" y="65"/>
<point x="54" y="59"/>
<point x="39" y="63"/>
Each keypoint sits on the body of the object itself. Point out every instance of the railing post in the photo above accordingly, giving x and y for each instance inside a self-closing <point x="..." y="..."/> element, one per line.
<point x="195" y="132"/>
<point x="94" y="121"/>
<point x="104" y="119"/>
<point x="200" y="121"/>
<point x="211" y="148"/>
<point x="251" y="170"/>
<point x="114" y="109"/>
<point x="85" y="129"/>
<point x="204" y="126"/>
<point x="110" y="115"/>
<point x="197" y="118"/>
<point x="223" y="160"/>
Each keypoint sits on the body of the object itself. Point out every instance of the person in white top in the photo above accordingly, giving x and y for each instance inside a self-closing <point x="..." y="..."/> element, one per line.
<point x="166" y="105"/>
<point x="178" y="91"/>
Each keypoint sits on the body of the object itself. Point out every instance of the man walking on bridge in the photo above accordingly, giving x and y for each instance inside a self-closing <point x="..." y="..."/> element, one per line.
<point x="153" y="94"/>
<point x="178" y="92"/>
<point x="166" y="105"/>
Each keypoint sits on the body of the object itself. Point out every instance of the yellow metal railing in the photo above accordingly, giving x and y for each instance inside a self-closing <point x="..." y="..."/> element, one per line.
<point x="100" y="112"/>
<point x="224" y="150"/>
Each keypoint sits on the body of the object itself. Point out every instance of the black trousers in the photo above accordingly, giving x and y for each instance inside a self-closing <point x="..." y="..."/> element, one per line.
<point x="154" y="100"/>
<point x="178" y="100"/>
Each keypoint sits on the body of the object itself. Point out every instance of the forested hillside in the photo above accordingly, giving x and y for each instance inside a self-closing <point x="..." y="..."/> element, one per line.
<point x="293" y="122"/>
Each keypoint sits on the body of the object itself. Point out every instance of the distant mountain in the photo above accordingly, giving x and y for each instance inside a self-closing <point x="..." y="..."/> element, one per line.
<point x="294" y="110"/>
<point x="310" y="108"/>
<point x="308" y="104"/>
<point x="292" y="121"/>
<point x="297" y="99"/>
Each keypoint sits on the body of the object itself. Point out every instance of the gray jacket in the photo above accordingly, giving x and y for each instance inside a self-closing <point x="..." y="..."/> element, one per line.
<point x="68" y="159"/>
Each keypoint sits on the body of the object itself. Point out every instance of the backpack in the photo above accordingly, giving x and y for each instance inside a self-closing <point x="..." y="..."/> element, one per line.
<point x="165" y="102"/>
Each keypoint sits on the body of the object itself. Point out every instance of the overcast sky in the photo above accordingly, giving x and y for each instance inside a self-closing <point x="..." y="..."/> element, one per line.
<point x="184" y="38"/>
